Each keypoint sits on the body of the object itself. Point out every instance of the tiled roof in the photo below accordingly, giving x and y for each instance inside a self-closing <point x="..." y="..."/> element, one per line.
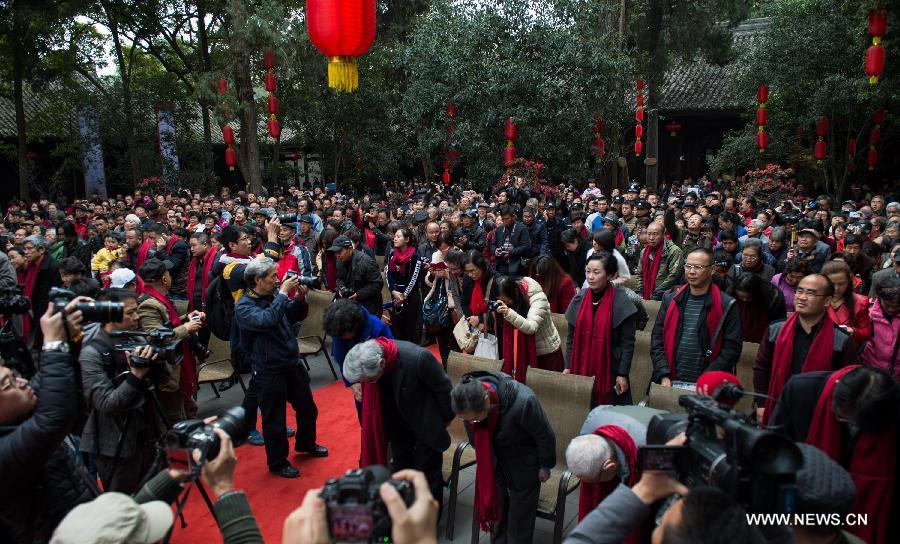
<point x="45" y="116"/>
<point x="700" y="86"/>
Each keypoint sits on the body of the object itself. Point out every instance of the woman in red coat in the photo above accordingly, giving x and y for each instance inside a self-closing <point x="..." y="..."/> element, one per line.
<point x="848" y="309"/>
<point x="557" y="285"/>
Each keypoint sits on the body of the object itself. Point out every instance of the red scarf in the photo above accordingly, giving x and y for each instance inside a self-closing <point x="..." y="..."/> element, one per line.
<point x="400" y="259"/>
<point x="817" y="358"/>
<point x="673" y="315"/>
<point x="31" y="276"/>
<point x="650" y="270"/>
<point x="477" y="305"/>
<point x="487" y="495"/>
<point x="171" y="243"/>
<point x="370" y="238"/>
<point x="520" y="349"/>
<point x="330" y="265"/>
<point x="591" y="347"/>
<point x="619" y="236"/>
<point x="872" y="465"/>
<point x="209" y="259"/>
<point x="593" y="494"/>
<point x="374" y="439"/>
<point x="188" y="376"/>
<point x="142" y="254"/>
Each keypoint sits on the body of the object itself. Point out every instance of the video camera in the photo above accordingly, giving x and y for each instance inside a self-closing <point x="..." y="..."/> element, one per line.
<point x="757" y="467"/>
<point x="13" y="302"/>
<point x="186" y="436"/>
<point x="356" y="512"/>
<point x="161" y="340"/>
<point x="97" y="312"/>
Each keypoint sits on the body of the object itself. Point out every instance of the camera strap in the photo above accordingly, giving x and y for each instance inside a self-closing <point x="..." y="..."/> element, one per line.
<point x="718" y="331"/>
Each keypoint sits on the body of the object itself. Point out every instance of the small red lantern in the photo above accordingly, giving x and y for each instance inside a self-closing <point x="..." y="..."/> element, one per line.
<point x="851" y="148"/>
<point x="822" y="127"/>
<point x="228" y="135"/>
<point x="875" y="135"/>
<point x="445" y="177"/>
<point x="872" y="158"/>
<point x="762" y="116"/>
<point x="510" y="130"/>
<point x="762" y="140"/>
<point x="674" y="127"/>
<point x="274" y="128"/>
<point x="819" y="151"/>
<point x="640" y="99"/>
<point x="273" y="105"/>
<point x="509" y="155"/>
<point x="230" y="158"/>
<point x="638" y="147"/>
<point x="878" y="116"/>
<point x="222" y="86"/>
<point x="452" y="154"/>
<point x="271" y="82"/>
<point x="451" y="110"/>
<point x="295" y="156"/>
<point x="600" y="147"/>
<point x="269" y="59"/>
<point x="639" y="115"/>
<point x="342" y="30"/>
<point x="599" y="125"/>
<point x="874" y="63"/>
<point x="877" y="24"/>
<point x="638" y="131"/>
<point x="640" y="84"/>
<point x="762" y="93"/>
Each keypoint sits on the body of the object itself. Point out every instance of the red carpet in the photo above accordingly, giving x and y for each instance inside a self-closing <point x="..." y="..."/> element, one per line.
<point x="273" y="498"/>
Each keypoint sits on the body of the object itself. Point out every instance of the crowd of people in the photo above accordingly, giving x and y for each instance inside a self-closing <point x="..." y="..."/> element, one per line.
<point x="814" y="282"/>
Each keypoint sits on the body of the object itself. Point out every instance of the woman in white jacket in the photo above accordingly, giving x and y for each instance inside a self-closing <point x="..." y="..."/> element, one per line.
<point x="529" y="336"/>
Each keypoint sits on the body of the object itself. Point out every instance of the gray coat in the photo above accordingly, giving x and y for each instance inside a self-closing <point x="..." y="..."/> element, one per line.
<point x="109" y="403"/>
<point x="524" y="441"/>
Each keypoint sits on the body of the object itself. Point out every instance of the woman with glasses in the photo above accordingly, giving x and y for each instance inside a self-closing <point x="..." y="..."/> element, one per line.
<point x="848" y="310"/>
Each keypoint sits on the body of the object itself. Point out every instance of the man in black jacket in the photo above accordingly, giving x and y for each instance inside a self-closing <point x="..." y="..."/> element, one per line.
<point x="415" y="407"/>
<point x="264" y="318"/>
<point x="357" y="275"/>
<point x="40" y="475"/>
<point x="684" y="349"/>
<point x="37" y="254"/>
<point x="470" y="235"/>
<point x="555" y="227"/>
<point x="511" y="244"/>
<point x="523" y="446"/>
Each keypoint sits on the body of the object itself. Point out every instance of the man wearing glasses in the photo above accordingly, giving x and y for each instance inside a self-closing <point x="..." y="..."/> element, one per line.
<point x="807" y="341"/>
<point x="698" y="327"/>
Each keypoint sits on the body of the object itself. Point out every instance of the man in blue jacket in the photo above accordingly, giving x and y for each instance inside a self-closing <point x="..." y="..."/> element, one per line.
<point x="264" y="316"/>
<point x="348" y="323"/>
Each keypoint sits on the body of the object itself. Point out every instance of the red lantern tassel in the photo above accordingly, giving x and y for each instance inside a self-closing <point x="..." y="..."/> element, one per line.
<point x="343" y="74"/>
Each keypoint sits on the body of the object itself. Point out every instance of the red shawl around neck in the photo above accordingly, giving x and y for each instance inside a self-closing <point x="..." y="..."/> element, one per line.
<point x="591" y="348"/>
<point x="487" y="495"/>
<point x="31" y="276"/>
<point x="670" y="326"/>
<point x="188" y="376"/>
<point x="649" y="270"/>
<point x="374" y="439"/>
<point x="209" y="259"/>
<point x="592" y="494"/>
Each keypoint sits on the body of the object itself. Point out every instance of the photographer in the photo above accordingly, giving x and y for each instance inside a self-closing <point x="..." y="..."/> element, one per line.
<point x="416" y="524"/>
<point x="358" y="277"/>
<point x="264" y="318"/>
<point x="511" y="244"/>
<point x="120" y="432"/>
<point x="156" y="311"/>
<point x="40" y="473"/>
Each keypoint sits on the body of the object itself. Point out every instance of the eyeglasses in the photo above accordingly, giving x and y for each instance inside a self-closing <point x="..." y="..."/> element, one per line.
<point x="807" y="292"/>
<point x="751" y="257"/>
<point x="697" y="267"/>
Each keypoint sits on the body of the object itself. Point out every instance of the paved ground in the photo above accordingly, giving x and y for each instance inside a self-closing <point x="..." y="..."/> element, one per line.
<point x="320" y="376"/>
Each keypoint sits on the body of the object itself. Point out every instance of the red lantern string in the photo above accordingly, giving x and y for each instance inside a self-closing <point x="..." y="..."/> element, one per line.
<point x="877" y="28"/>
<point x="599" y="144"/>
<point x="820" y="150"/>
<point x="227" y="131"/>
<point x="762" y="117"/>
<point x="511" y="133"/>
<point x="639" y="116"/>
<point x="271" y="83"/>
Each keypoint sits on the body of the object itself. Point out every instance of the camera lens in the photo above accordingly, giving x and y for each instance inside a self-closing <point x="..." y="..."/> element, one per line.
<point x="235" y="426"/>
<point x="102" y="312"/>
<point x="310" y="281"/>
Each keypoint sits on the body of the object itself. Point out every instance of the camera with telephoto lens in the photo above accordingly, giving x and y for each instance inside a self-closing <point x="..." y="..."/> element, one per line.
<point x="307" y="281"/>
<point x="162" y="341"/>
<point x="757" y="467"/>
<point x="356" y="512"/>
<point x="494" y="305"/>
<point x="287" y="218"/>
<point x="193" y="434"/>
<point x="13" y="302"/>
<point x="97" y="312"/>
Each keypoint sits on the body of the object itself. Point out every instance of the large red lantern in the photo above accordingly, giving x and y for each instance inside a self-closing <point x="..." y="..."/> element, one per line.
<point x="342" y="30"/>
<point x="872" y="158"/>
<point x="599" y="125"/>
<point x="638" y="147"/>
<point x="762" y="93"/>
<point x="274" y="128"/>
<point x="451" y="110"/>
<point x="222" y="87"/>
<point x="878" y="116"/>
<point x="271" y="82"/>
<point x="511" y="130"/>
<point x="820" y="151"/>
<point x="230" y="158"/>
<point x="272" y="104"/>
<point x="600" y="147"/>
<point x="638" y="131"/>
<point x="511" y="133"/>
<point x="599" y="144"/>
<point x="269" y="59"/>
<point x="875" y="135"/>
<point x="509" y="155"/>
<point x="877" y="24"/>
<point x="674" y="127"/>
<point x="762" y="140"/>
<point x="762" y="116"/>
<point x="874" y="63"/>
<point x="228" y="135"/>
<point x="822" y="127"/>
<point x="639" y="115"/>
<point x="445" y="177"/>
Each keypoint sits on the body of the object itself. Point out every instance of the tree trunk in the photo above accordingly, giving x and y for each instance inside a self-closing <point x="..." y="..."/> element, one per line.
<point x="127" y="106"/>
<point x="276" y="164"/>
<point x="248" y="148"/>
<point x="21" y="140"/>
<point x="204" y="106"/>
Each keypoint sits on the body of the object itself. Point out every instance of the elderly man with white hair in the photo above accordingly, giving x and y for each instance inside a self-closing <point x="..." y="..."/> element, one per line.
<point x="265" y="318"/>
<point x="606" y="453"/>
<point x="405" y="401"/>
<point x="41" y="274"/>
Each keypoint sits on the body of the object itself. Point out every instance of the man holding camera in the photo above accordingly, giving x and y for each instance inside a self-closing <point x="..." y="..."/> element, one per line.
<point x="287" y="246"/>
<point x="511" y="244"/>
<point x="358" y="277"/>
<point x="264" y="317"/>
<point x="120" y="431"/>
<point x="177" y="392"/>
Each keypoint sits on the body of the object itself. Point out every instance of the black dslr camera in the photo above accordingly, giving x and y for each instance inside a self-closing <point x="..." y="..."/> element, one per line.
<point x="494" y="305"/>
<point x="345" y="292"/>
<point x="307" y="281"/>
<point x="355" y="510"/>
<point x="757" y="467"/>
<point x="13" y="302"/>
<point x="186" y="436"/>
<point x="97" y="312"/>
<point x="287" y="218"/>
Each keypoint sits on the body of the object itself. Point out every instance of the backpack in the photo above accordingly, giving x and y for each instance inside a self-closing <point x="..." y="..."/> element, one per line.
<point x="219" y="304"/>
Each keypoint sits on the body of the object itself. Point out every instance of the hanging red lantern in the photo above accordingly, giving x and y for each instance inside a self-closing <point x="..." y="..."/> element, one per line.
<point x="762" y="93"/>
<point x="638" y="147"/>
<point x="640" y="84"/>
<point x="638" y="131"/>
<point x="295" y="156"/>
<point x="451" y="110"/>
<point x="271" y="82"/>
<point x="230" y="158"/>
<point x="273" y="105"/>
<point x="445" y="177"/>
<point x="640" y="99"/>
<point x="599" y="125"/>
<point x="222" y="87"/>
<point x="872" y="158"/>
<point x="674" y="127"/>
<point x="274" y="128"/>
<point x="822" y="127"/>
<point x="509" y="155"/>
<point x="342" y="30"/>
<point x="851" y="148"/>
<point x="819" y="151"/>
<point x="511" y="130"/>
<point x="228" y="135"/>
<point x="639" y="115"/>
<point x="877" y="24"/>
<point x="874" y="63"/>
<point x="875" y="135"/>
<point x="452" y="154"/>
<point x="762" y="140"/>
<point x="600" y="147"/>
<point x="878" y="116"/>
<point x="762" y="116"/>
<point x="269" y="59"/>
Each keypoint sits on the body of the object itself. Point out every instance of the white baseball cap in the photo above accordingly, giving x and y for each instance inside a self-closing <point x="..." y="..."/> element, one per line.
<point x="121" y="277"/>
<point x="115" y="517"/>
